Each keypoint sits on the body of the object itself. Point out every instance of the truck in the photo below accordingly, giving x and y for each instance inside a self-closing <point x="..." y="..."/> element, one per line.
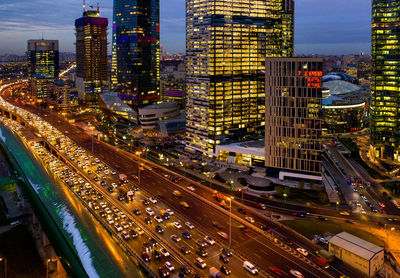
<point x="322" y="262"/>
<point x="215" y="272"/>
<point x="122" y="177"/>
<point x="126" y="192"/>
<point x="164" y="214"/>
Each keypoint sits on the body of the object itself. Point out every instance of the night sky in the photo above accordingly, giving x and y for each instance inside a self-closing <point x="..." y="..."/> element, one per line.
<point x="322" y="26"/>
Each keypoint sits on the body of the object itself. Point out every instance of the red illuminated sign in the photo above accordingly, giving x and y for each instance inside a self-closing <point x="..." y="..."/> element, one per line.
<point x="313" y="78"/>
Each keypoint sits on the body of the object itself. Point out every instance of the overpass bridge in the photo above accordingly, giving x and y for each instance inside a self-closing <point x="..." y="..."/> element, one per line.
<point x="81" y="246"/>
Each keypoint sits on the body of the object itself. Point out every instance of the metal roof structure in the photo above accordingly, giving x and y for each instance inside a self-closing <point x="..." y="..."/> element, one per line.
<point x="356" y="245"/>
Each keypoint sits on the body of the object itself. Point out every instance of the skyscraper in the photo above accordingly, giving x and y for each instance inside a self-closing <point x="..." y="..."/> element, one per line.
<point x="293" y="126"/>
<point x="136" y="51"/>
<point x="43" y="65"/>
<point x="226" y="45"/>
<point x="43" y="58"/>
<point x="385" y="82"/>
<point x="91" y="56"/>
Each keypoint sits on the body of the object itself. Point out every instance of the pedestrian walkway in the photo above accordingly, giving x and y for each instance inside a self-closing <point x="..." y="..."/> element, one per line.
<point x="330" y="188"/>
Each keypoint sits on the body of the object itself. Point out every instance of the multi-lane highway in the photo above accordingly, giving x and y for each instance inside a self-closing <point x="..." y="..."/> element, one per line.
<point x="253" y="245"/>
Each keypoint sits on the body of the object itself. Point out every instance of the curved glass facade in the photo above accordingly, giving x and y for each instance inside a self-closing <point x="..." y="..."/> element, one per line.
<point x="385" y="82"/>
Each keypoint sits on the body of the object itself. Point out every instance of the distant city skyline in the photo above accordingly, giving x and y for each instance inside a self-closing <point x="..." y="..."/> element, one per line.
<point x="339" y="27"/>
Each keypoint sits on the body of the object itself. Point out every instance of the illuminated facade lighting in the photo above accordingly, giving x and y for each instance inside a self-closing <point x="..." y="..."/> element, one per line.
<point x="293" y="126"/>
<point x="385" y="81"/>
<point x="136" y="51"/>
<point x="43" y="58"/>
<point x="226" y="45"/>
<point x="91" y="56"/>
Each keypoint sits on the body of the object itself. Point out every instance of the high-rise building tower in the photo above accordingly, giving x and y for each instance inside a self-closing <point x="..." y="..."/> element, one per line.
<point x="91" y="56"/>
<point x="226" y="45"/>
<point x="136" y="51"/>
<point x="293" y="126"/>
<point x="385" y="82"/>
<point x="43" y="65"/>
<point x="43" y="58"/>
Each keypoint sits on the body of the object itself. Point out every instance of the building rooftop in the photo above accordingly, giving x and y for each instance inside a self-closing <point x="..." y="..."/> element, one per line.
<point x="356" y="245"/>
<point x="338" y="87"/>
<point x="160" y="105"/>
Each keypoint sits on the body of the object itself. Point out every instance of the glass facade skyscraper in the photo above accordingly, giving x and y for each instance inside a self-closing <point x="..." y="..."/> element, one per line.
<point x="385" y="82"/>
<point x="136" y="51"/>
<point x="227" y="42"/>
<point x="91" y="56"/>
<point x="43" y="58"/>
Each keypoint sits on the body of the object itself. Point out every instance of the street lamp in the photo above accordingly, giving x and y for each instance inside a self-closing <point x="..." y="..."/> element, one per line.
<point x="5" y="265"/>
<point x="230" y="220"/>
<point x="47" y="268"/>
<point x="139" y="153"/>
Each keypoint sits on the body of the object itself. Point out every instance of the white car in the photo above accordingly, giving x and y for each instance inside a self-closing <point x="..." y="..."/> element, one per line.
<point x="302" y="251"/>
<point x="169" y="266"/>
<point x="110" y="220"/>
<point x="158" y="218"/>
<point x="363" y="211"/>
<point x="296" y="273"/>
<point x="106" y="172"/>
<point x="164" y="252"/>
<point x="108" y="210"/>
<point x="118" y="227"/>
<point x="114" y="185"/>
<point x="250" y="219"/>
<point x="189" y="225"/>
<point x="250" y="267"/>
<point x="209" y="240"/>
<point x="191" y="188"/>
<point x="169" y="211"/>
<point x="153" y="200"/>
<point x="149" y="211"/>
<point x="125" y="225"/>
<point x="103" y="205"/>
<point x="177" y="225"/>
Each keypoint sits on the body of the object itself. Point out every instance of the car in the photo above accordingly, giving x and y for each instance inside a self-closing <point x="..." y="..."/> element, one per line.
<point x="137" y="211"/>
<point x="242" y="210"/>
<point x="175" y="238"/>
<point x="250" y="267"/>
<point x="169" y="266"/>
<point x="159" y="229"/>
<point x="185" y="249"/>
<point x="184" y="204"/>
<point x="153" y="200"/>
<point x="250" y="219"/>
<point x="184" y="270"/>
<point x="296" y="273"/>
<point x="113" y="172"/>
<point x="201" y="243"/>
<point x="265" y="228"/>
<point x="244" y="228"/>
<point x="225" y="270"/>
<point x="286" y="240"/>
<point x="149" y="211"/>
<point x="157" y="255"/>
<point x="177" y="193"/>
<point x="170" y="212"/>
<point x="200" y="262"/>
<point x="302" y="251"/>
<point x="145" y="202"/>
<point x="164" y="252"/>
<point x="133" y="233"/>
<point x="191" y="188"/>
<point x="186" y="234"/>
<point x="209" y="240"/>
<point x="345" y="213"/>
<point x="163" y="272"/>
<point x="110" y="220"/>
<point x="158" y="218"/>
<point x="189" y="225"/>
<point x="223" y="235"/>
<point x="323" y="240"/>
<point x="322" y="218"/>
<point x="202" y="252"/>
<point x="125" y="235"/>
<point x="226" y="252"/>
<point x="224" y="258"/>
<point x="146" y="257"/>
<point x="162" y="196"/>
<point x="125" y="225"/>
<point x="139" y="231"/>
<point x="148" y="220"/>
<point x="177" y="225"/>
<point x="217" y="225"/>
<point x="350" y="221"/>
<point x="277" y="271"/>
<point x="363" y="211"/>
<point x="382" y="205"/>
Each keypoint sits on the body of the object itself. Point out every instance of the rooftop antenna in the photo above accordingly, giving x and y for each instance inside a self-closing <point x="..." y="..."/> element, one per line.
<point x="84" y="5"/>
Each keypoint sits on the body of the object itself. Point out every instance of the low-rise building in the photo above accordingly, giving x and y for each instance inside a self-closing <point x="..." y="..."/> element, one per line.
<point x="358" y="253"/>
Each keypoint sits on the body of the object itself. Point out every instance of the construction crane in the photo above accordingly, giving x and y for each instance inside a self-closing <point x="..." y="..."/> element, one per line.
<point x="98" y="7"/>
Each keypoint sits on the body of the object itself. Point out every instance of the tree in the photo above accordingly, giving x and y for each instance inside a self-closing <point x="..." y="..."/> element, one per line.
<point x="323" y="199"/>
<point x="301" y="185"/>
